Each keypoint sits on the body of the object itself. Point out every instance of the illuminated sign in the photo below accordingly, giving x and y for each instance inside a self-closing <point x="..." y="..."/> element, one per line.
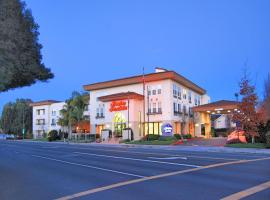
<point x="167" y="130"/>
<point x="118" y="106"/>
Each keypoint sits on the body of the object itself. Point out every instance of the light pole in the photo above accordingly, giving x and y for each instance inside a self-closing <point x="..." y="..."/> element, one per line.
<point x="23" y="127"/>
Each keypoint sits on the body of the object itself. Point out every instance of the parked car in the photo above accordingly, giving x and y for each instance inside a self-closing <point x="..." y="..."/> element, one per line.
<point x="10" y="136"/>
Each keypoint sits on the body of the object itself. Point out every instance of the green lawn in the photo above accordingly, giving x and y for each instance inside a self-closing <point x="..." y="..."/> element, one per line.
<point x="152" y="142"/>
<point x="248" y="145"/>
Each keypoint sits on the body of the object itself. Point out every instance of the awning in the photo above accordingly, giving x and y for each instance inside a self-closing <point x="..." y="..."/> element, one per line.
<point x="121" y="96"/>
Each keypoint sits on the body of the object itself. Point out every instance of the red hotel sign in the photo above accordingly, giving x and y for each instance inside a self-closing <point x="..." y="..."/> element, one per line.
<point x="118" y="106"/>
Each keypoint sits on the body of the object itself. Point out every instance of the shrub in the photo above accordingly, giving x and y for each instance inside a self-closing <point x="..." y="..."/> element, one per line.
<point x="151" y="137"/>
<point x="177" y="136"/>
<point x="187" y="136"/>
<point x="166" y="138"/>
<point x="267" y="138"/>
<point x="52" y="135"/>
<point x="213" y="132"/>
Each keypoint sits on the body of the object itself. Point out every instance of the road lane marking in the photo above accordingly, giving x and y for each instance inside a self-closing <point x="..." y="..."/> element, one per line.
<point x="160" y="154"/>
<point x="88" y="166"/>
<point x="125" y="183"/>
<point x="168" y="158"/>
<point x="138" y="159"/>
<point x="248" y="192"/>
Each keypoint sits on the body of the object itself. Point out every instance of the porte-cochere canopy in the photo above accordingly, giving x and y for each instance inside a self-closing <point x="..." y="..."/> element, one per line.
<point x="218" y="107"/>
<point x="203" y="112"/>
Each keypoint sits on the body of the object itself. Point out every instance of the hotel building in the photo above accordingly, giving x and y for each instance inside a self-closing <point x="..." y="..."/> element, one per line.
<point x="46" y="115"/>
<point x="145" y="103"/>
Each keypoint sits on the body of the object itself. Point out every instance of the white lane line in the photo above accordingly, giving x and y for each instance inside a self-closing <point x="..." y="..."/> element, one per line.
<point x="168" y="158"/>
<point x="159" y="154"/>
<point x="88" y="166"/>
<point x="137" y="159"/>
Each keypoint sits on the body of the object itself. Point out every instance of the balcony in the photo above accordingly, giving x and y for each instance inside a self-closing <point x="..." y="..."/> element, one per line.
<point x="177" y="113"/>
<point x="100" y="116"/>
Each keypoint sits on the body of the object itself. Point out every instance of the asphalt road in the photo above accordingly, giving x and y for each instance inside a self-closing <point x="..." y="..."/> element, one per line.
<point x="51" y="171"/>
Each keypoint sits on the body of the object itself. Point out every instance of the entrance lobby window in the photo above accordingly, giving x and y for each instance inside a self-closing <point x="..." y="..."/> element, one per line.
<point x="154" y="128"/>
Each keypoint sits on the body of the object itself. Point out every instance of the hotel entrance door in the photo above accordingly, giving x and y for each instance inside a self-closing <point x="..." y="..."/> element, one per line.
<point x="118" y="129"/>
<point x="119" y="124"/>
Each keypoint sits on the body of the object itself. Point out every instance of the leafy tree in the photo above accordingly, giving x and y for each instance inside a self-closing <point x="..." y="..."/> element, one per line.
<point x="16" y="116"/>
<point x="266" y="102"/>
<point x="73" y="112"/>
<point x="247" y="115"/>
<point x="20" y="56"/>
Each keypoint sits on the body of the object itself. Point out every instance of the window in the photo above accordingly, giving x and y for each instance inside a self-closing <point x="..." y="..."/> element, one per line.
<point x="185" y="109"/>
<point x="100" y="111"/>
<point x="40" y="122"/>
<point x="154" y="107"/>
<point x="179" y="93"/>
<point x="199" y="100"/>
<point x="53" y="122"/>
<point x="190" y="112"/>
<point x="179" y="108"/>
<point x="154" y="128"/>
<point x="196" y="100"/>
<point x="159" y="107"/>
<point x="40" y="111"/>
<point x="184" y="93"/>
<point x="159" y="89"/>
<point x="97" y="112"/>
<point x="174" y="91"/>
<point x="174" y="107"/>
<point x="154" y="92"/>
<point x="148" y="90"/>
<point x="189" y="97"/>
<point x="53" y="113"/>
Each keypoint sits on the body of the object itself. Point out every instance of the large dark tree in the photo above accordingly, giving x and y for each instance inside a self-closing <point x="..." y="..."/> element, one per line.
<point x="16" y="116"/>
<point x="20" y="51"/>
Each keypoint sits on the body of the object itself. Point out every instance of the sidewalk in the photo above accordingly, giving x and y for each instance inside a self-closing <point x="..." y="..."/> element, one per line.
<point x="169" y="147"/>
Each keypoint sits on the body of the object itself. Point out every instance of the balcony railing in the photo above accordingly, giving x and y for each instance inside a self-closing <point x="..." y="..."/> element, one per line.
<point x="100" y="116"/>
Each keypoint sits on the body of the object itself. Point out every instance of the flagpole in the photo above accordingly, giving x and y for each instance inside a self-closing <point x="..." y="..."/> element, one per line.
<point x="143" y="103"/>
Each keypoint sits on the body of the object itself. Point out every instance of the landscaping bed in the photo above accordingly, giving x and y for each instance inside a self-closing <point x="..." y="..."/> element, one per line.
<point x="249" y="145"/>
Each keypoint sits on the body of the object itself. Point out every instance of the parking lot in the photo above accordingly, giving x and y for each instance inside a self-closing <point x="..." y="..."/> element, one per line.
<point x="65" y="171"/>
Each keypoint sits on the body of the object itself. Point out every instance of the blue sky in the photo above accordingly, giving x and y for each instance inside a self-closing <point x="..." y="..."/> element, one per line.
<point x="209" y="42"/>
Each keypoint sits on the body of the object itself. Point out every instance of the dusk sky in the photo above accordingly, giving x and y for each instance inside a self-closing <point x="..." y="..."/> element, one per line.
<point x="208" y="42"/>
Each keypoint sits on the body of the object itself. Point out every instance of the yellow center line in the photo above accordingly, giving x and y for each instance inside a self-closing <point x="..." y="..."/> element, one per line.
<point x="248" y="192"/>
<point x="116" y="185"/>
